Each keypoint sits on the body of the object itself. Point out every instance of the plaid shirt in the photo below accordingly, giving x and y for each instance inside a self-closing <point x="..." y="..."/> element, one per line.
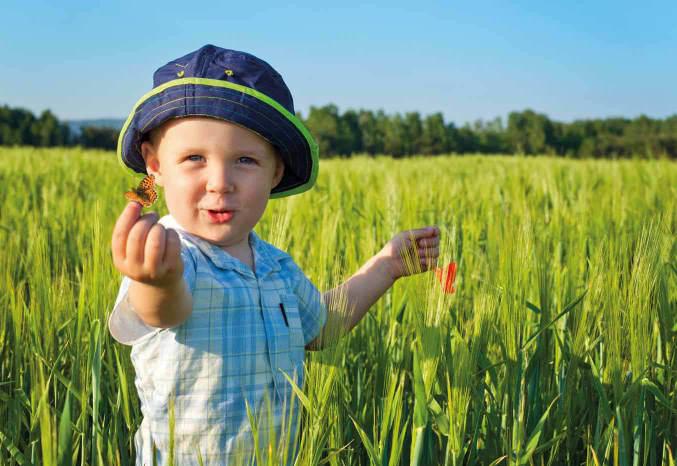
<point x="245" y="329"/>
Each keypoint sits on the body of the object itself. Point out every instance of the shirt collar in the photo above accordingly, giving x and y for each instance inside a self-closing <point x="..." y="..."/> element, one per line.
<point x="265" y="261"/>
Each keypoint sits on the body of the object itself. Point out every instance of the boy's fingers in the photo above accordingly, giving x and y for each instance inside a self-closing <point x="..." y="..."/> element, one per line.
<point x="155" y="248"/>
<point x="426" y="242"/>
<point x="172" y="255"/>
<point x="429" y="263"/>
<point x="124" y="223"/>
<point x="426" y="232"/>
<point x="429" y="252"/>
<point x="136" y="241"/>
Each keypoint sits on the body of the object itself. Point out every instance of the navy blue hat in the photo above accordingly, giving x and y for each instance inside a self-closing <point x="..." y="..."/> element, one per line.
<point x="228" y="85"/>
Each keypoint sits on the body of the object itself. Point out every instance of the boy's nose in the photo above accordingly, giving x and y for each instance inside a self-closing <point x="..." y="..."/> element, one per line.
<point x="220" y="181"/>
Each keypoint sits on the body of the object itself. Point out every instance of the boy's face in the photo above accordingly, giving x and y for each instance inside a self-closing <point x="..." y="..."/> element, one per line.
<point x="207" y="166"/>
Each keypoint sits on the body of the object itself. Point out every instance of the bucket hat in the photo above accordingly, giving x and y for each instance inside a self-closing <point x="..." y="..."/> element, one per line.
<point x="233" y="86"/>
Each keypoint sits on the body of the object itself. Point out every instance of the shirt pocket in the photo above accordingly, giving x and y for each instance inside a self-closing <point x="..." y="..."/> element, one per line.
<point x="289" y="306"/>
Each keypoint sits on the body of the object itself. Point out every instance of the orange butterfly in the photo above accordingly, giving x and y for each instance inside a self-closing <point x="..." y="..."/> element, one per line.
<point x="144" y="194"/>
<point x="447" y="275"/>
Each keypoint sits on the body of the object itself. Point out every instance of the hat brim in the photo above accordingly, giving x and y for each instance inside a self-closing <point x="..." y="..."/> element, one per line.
<point x="231" y="102"/>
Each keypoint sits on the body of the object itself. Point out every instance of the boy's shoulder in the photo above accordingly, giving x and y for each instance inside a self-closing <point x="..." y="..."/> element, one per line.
<point x="275" y="254"/>
<point x="273" y="251"/>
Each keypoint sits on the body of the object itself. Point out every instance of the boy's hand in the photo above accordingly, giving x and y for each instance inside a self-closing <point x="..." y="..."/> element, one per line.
<point x="144" y="250"/>
<point x="420" y="247"/>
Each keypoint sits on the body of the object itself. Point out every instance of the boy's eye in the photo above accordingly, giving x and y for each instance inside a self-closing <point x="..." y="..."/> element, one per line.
<point x="247" y="160"/>
<point x="198" y="158"/>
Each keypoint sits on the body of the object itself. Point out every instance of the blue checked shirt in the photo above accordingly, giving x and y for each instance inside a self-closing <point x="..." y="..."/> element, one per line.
<point x="245" y="330"/>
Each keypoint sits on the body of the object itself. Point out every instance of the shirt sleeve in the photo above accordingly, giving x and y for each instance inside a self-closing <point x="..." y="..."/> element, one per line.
<point x="124" y="325"/>
<point x="312" y="308"/>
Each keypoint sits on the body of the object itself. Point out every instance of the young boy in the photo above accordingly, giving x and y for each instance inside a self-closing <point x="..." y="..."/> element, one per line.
<point x="215" y="315"/>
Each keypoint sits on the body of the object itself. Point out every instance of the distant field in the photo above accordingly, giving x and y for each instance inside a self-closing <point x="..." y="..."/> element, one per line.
<point x="558" y="346"/>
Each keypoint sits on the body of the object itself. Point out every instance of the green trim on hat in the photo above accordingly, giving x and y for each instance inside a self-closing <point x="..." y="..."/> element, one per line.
<point x="314" y="150"/>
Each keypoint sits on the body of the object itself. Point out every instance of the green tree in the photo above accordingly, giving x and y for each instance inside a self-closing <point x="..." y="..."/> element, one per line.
<point x="349" y="134"/>
<point x="323" y="123"/>
<point x="434" y="135"/>
<point x="371" y="133"/>
<point x="394" y="132"/>
<point x="47" y="130"/>
<point x="413" y="131"/>
<point x="468" y="141"/>
<point x="453" y="139"/>
<point x="102" y="138"/>
<point x="530" y="132"/>
<point x="490" y="137"/>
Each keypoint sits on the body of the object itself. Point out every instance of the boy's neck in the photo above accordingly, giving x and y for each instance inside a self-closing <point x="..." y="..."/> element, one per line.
<point x="243" y="252"/>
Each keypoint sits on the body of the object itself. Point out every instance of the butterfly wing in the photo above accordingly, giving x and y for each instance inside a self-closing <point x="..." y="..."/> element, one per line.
<point x="152" y="197"/>
<point x="134" y="196"/>
<point x="147" y="183"/>
<point x="147" y="186"/>
<point x="145" y="194"/>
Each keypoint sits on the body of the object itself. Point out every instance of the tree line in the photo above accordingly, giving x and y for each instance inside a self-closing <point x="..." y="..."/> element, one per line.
<point x="401" y="135"/>
<point x="20" y="127"/>
<point x="525" y="132"/>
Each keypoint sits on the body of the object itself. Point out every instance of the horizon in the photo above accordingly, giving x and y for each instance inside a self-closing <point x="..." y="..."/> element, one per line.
<point x="468" y="61"/>
<point x="304" y="115"/>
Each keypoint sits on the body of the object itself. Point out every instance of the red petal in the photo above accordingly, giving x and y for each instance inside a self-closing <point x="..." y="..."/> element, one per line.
<point x="447" y="275"/>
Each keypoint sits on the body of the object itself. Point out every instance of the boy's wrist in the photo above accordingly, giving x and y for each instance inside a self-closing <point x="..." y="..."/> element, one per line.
<point x="161" y="306"/>
<point x="384" y="267"/>
<point x="166" y="284"/>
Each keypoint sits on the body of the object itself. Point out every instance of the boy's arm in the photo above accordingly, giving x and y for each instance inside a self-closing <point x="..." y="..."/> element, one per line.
<point x="349" y="302"/>
<point x="150" y="256"/>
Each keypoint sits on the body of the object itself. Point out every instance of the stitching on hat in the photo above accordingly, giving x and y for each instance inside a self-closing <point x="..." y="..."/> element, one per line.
<point x="181" y="92"/>
<point x="273" y="122"/>
<point x="264" y="116"/>
<point x="155" y="96"/>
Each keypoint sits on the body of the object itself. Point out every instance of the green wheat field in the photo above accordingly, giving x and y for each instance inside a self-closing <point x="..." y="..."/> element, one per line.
<point x="558" y="347"/>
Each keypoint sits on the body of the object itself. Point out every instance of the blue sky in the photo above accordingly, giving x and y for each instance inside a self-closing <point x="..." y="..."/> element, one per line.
<point x="468" y="60"/>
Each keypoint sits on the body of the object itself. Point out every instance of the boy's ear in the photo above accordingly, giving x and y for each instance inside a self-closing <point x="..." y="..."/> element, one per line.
<point x="150" y="156"/>
<point x="279" y="171"/>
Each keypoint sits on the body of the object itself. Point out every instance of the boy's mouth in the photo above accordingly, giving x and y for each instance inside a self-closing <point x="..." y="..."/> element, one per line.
<point x="219" y="216"/>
